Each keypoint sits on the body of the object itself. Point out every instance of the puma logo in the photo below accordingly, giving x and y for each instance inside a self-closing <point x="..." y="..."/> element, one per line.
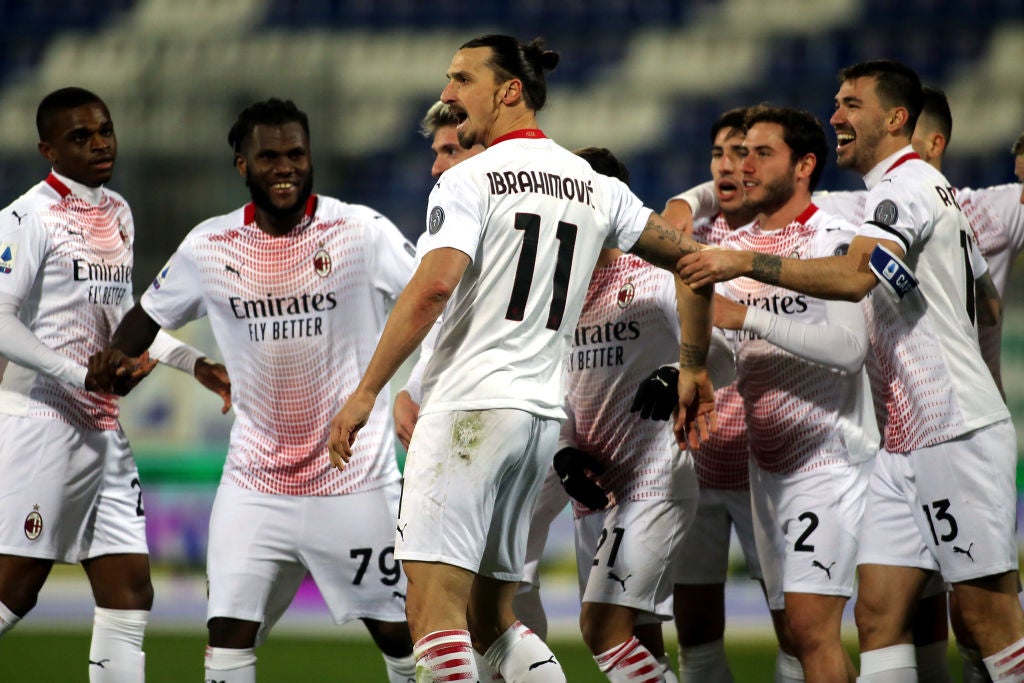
<point x="396" y="594"/>
<point x="233" y="270"/>
<point x="613" y="577"/>
<point x="401" y="530"/>
<point x="549" y="660"/>
<point x="958" y="549"/>
<point x="99" y="663"/>
<point x="827" y="570"/>
<point x="18" y="217"/>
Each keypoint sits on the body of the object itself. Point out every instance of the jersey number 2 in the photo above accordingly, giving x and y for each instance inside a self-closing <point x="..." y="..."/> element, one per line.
<point x="529" y="223"/>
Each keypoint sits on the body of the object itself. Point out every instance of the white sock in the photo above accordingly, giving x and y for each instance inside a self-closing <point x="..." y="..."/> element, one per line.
<point x="230" y="665"/>
<point x="1008" y="663"/>
<point x="629" y="662"/>
<point x="445" y="656"/>
<point x="115" y="655"/>
<point x="519" y="655"/>
<point x="666" y="669"/>
<point x="400" y="669"/>
<point x="973" y="668"/>
<point x="7" y="619"/>
<point x="704" y="662"/>
<point x="895" y="664"/>
<point x="487" y="674"/>
<point x="530" y="611"/>
<point x="932" y="663"/>
<point x="788" y="668"/>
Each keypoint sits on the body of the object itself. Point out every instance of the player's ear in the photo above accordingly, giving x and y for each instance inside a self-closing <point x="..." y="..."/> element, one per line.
<point x="512" y="92"/>
<point x="240" y="164"/>
<point x="46" y="149"/>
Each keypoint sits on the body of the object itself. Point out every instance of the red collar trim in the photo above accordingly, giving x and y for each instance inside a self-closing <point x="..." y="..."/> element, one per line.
<point x="249" y="213"/>
<point x="903" y="159"/>
<point x="535" y="133"/>
<point x="806" y="214"/>
<point x="57" y="185"/>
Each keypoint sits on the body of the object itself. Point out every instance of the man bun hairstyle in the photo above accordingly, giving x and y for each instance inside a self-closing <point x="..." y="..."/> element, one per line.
<point x="58" y="101"/>
<point x="525" y="61"/>
<point x="272" y="112"/>
<point x="897" y="85"/>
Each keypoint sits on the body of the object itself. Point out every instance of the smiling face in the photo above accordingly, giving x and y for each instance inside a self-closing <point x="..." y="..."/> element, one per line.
<point x="473" y="94"/>
<point x="278" y="170"/>
<point x="81" y="144"/>
<point x="769" y="172"/>
<point x="448" y="151"/>
<point x="860" y="124"/>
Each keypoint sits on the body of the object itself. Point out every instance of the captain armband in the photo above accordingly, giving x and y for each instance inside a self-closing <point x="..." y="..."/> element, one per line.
<point x="892" y="272"/>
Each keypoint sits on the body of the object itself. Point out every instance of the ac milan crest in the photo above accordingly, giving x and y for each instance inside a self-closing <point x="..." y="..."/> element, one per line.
<point x="123" y="232"/>
<point x="33" y="524"/>
<point x="626" y="294"/>
<point x="322" y="262"/>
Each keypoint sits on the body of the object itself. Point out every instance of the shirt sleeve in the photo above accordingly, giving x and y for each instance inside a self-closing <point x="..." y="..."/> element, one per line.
<point x="455" y="215"/>
<point x="841" y="343"/>
<point x="895" y="212"/>
<point x="20" y="345"/>
<point x="175" y="297"/>
<point x="567" y="435"/>
<point x="702" y="200"/>
<point x="628" y="215"/>
<point x="393" y="256"/>
<point x="175" y="353"/>
<point x="848" y="205"/>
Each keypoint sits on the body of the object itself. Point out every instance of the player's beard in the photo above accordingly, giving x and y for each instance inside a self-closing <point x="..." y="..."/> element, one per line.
<point x="776" y="194"/>
<point x="261" y="198"/>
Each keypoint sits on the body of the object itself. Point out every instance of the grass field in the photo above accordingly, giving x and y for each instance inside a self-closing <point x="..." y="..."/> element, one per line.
<point x="35" y="656"/>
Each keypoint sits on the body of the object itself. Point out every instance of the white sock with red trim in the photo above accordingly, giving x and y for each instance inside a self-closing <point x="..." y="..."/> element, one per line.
<point x="519" y="655"/>
<point x="445" y="656"/>
<point x="629" y="662"/>
<point x="1007" y="664"/>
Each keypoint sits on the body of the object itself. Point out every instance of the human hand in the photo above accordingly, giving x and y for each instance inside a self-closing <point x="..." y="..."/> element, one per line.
<point x="214" y="377"/>
<point x="697" y="417"/>
<point x="571" y="465"/>
<point x="728" y="314"/>
<point x="112" y="372"/>
<point x="346" y="424"/>
<point x="406" y="412"/>
<point x="656" y="397"/>
<point x="711" y="265"/>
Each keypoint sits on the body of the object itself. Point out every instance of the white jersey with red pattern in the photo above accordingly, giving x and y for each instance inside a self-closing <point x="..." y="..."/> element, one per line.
<point x="722" y="461"/>
<point x="69" y="261"/>
<point x="800" y="415"/>
<point x="298" y="317"/>
<point x="930" y="371"/>
<point x="629" y="327"/>
<point x="532" y="217"/>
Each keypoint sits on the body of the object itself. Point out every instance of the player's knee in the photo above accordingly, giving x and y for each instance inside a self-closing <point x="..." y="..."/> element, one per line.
<point x="232" y="633"/>
<point x="391" y="637"/>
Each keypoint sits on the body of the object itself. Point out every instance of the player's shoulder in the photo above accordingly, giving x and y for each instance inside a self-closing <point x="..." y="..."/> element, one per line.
<point x="220" y="228"/>
<point x="115" y="196"/>
<point x="826" y="221"/>
<point x="333" y="208"/>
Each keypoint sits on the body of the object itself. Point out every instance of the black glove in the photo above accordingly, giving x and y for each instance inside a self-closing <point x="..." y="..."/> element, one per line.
<point x="571" y="465"/>
<point x="657" y="396"/>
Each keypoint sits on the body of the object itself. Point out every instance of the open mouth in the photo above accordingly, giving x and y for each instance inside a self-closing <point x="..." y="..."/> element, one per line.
<point x="844" y="138"/>
<point x="727" y="189"/>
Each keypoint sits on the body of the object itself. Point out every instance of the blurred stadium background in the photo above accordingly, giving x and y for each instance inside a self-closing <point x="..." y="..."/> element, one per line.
<point x="643" y="77"/>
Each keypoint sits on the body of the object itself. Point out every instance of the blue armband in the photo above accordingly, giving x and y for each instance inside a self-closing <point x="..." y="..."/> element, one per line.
<point x="891" y="271"/>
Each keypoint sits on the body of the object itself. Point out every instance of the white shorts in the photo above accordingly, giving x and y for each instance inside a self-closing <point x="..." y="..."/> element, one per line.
<point x="806" y="525"/>
<point x="262" y="545"/>
<point x="551" y="501"/>
<point x="469" y="477"/>
<point x="68" y="494"/>
<point x="704" y="553"/>
<point x="624" y="555"/>
<point x="950" y="507"/>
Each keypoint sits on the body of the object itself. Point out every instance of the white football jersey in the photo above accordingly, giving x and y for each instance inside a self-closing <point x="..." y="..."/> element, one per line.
<point x="927" y="365"/>
<point x="628" y="329"/>
<point x="69" y="261"/>
<point x="532" y="217"/>
<point x="721" y="461"/>
<point x="297" y="317"/>
<point x="800" y="415"/>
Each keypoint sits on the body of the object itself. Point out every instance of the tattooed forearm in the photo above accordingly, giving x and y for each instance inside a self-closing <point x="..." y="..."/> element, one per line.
<point x="692" y="356"/>
<point x="662" y="244"/>
<point x="767" y="269"/>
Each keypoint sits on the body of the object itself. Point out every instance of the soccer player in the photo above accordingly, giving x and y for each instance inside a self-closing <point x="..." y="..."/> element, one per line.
<point x="942" y="494"/>
<point x="514" y="234"/>
<point x="295" y="285"/>
<point x="722" y="462"/>
<point x="71" y="487"/>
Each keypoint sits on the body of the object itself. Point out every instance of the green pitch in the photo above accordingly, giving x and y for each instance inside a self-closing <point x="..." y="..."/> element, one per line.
<point x="36" y="656"/>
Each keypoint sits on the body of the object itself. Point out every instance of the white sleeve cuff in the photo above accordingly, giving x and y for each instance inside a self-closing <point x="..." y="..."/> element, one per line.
<point x="174" y="352"/>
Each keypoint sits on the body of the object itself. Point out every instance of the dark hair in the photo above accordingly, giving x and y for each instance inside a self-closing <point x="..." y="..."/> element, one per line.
<point x="936" y="107"/>
<point x="734" y="118"/>
<point x="801" y="131"/>
<point x="527" y="62"/>
<point x="272" y="112"/>
<point x="604" y="162"/>
<point x="897" y="85"/>
<point x="1018" y="146"/>
<point x="438" y="116"/>
<point x="58" y="101"/>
